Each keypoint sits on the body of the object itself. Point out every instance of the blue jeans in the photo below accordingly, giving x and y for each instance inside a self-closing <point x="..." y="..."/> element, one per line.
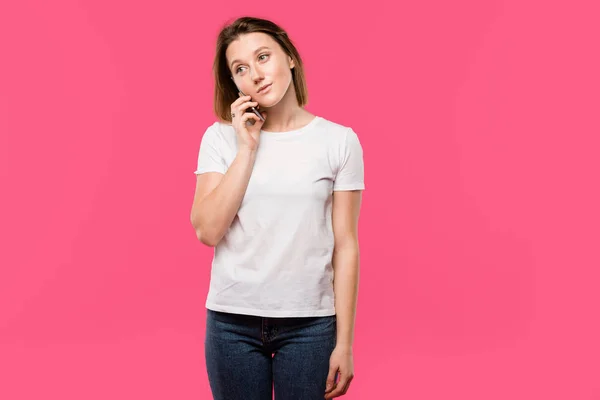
<point x="250" y="357"/>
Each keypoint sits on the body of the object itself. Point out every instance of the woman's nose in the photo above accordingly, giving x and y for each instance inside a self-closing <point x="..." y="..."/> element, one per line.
<point x="256" y="74"/>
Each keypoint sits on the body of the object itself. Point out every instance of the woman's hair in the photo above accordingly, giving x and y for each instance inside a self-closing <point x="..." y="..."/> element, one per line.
<point x="225" y="90"/>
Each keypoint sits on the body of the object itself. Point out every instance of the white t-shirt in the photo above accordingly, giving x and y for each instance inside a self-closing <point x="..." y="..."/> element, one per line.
<point x="276" y="258"/>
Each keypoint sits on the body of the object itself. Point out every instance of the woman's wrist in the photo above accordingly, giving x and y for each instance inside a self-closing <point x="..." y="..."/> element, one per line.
<point x="344" y="346"/>
<point x="246" y="151"/>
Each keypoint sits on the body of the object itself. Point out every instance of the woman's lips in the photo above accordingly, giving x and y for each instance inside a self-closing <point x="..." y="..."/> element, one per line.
<point x="265" y="89"/>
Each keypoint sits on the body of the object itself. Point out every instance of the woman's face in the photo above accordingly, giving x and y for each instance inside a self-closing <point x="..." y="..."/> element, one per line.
<point x="256" y="60"/>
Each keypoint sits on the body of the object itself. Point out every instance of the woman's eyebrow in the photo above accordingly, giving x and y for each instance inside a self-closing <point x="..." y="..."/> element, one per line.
<point x="255" y="51"/>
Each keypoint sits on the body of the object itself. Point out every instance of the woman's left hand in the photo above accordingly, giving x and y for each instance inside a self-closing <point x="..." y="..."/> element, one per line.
<point x="341" y="362"/>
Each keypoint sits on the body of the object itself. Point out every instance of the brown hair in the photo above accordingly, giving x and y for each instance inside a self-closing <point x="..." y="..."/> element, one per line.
<point x="225" y="90"/>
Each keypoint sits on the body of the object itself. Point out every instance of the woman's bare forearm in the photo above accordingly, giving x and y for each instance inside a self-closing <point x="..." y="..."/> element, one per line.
<point x="345" y="286"/>
<point x="215" y="212"/>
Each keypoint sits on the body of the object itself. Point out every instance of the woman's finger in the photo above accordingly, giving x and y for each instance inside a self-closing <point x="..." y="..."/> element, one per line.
<point x="248" y="116"/>
<point x="244" y="106"/>
<point x="239" y="101"/>
<point x="330" y="385"/>
<point x="341" y="388"/>
<point x="346" y="386"/>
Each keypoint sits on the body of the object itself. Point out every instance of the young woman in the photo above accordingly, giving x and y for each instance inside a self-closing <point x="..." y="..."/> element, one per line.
<point x="278" y="197"/>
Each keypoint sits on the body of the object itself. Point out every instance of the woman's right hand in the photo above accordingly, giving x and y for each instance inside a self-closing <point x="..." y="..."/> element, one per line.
<point x="247" y="135"/>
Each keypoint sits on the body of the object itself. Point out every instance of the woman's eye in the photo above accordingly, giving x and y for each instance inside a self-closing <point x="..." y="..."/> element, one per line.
<point x="262" y="57"/>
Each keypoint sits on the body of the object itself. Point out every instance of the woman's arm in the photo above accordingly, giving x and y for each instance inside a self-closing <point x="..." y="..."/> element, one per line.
<point x="346" y="210"/>
<point x="218" y="198"/>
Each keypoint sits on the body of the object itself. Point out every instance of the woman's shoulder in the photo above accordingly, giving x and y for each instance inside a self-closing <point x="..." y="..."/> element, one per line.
<point x="219" y="135"/>
<point x="220" y="129"/>
<point x="334" y="130"/>
<point x="220" y="125"/>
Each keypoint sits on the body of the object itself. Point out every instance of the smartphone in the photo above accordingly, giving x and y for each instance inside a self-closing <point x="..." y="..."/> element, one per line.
<point x="254" y="110"/>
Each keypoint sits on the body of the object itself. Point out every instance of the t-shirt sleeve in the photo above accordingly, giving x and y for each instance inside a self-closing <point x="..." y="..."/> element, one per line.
<point x="350" y="175"/>
<point x="210" y="156"/>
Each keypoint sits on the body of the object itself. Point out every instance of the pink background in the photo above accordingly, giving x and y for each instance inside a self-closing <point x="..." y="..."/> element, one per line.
<point x="480" y="227"/>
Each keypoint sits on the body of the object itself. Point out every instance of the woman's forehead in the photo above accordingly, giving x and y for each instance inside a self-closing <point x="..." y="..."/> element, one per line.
<point x="248" y="43"/>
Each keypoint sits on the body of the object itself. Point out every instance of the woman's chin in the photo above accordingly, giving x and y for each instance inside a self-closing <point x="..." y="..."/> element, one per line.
<point x="268" y="101"/>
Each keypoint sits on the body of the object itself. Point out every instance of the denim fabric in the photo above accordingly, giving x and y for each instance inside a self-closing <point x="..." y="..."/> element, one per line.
<point x="250" y="357"/>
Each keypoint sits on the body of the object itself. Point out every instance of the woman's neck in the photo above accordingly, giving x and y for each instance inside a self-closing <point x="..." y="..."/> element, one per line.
<point x="286" y="115"/>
